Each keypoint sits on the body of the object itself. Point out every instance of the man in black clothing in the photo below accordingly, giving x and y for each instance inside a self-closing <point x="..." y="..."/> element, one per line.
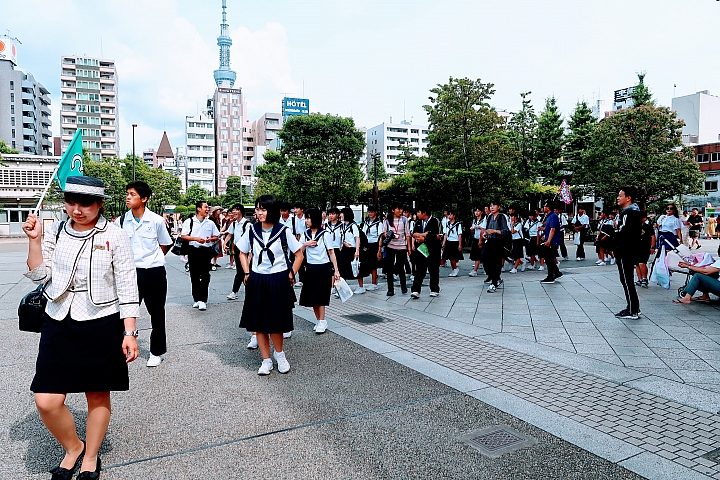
<point x="696" y="225"/>
<point x="627" y="248"/>
<point x="427" y="231"/>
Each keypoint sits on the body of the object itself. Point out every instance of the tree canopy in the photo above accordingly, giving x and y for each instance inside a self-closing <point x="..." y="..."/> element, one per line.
<point x="549" y="141"/>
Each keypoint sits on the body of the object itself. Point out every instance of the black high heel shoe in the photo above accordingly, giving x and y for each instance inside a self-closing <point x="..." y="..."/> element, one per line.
<point x="60" y="473"/>
<point x="91" y="475"/>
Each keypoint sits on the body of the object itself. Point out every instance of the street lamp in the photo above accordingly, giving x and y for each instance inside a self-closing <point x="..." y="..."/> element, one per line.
<point x="134" y="125"/>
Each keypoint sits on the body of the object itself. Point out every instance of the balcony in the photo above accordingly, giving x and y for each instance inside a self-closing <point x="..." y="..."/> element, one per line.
<point x="109" y="128"/>
<point x="107" y="104"/>
<point x="66" y="77"/>
<point x="67" y="89"/>
<point x="107" y="81"/>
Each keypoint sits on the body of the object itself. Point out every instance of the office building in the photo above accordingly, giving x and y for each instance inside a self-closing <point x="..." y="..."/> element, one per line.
<point x="199" y="157"/>
<point x="265" y="130"/>
<point x="89" y="102"/>
<point x="24" y="106"/>
<point x="701" y="114"/>
<point x="387" y="139"/>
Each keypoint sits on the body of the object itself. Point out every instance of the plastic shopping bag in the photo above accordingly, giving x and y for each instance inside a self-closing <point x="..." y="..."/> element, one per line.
<point x="343" y="290"/>
<point x="660" y="273"/>
<point x="576" y="238"/>
<point x="355" y="264"/>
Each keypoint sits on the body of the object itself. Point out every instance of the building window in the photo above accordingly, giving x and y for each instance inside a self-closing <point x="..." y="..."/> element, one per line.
<point x="12" y="85"/>
<point x="13" y="133"/>
<point x="12" y="121"/>
<point x="711" y="186"/>
<point x="703" y="158"/>
<point x="12" y="97"/>
<point x="247" y="167"/>
<point x="12" y="109"/>
<point x="715" y="157"/>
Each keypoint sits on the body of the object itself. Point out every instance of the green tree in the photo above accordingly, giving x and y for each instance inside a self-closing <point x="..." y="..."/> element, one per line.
<point x="406" y="156"/>
<point x="469" y="155"/>
<point x="194" y="194"/>
<point x="581" y="128"/>
<point x="640" y="146"/>
<point x="235" y="193"/>
<point x="269" y="176"/>
<point x="5" y="149"/>
<point x="376" y="163"/>
<point x="522" y="130"/>
<point x="548" y="143"/>
<point x="109" y="170"/>
<point x="641" y="93"/>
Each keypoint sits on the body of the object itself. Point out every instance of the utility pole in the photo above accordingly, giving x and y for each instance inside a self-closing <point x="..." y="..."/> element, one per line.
<point x="134" y="125"/>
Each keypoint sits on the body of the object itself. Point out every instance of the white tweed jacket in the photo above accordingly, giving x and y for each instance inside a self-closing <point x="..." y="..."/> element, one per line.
<point x="91" y="272"/>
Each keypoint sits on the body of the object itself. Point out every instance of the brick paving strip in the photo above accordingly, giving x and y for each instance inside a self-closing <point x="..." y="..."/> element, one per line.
<point x="647" y="434"/>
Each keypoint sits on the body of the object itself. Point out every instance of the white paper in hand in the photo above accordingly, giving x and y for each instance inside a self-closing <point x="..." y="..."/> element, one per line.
<point x="343" y="289"/>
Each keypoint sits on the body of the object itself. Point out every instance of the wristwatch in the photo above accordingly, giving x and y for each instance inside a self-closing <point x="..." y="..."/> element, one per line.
<point x="131" y="333"/>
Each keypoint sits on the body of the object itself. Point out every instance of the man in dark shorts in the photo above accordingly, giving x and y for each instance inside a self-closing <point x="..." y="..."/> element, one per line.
<point x="695" y="221"/>
<point x="647" y="248"/>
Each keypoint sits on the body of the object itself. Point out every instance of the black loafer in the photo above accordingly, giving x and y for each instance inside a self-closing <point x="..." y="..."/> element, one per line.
<point x="60" y="473"/>
<point x="91" y="475"/>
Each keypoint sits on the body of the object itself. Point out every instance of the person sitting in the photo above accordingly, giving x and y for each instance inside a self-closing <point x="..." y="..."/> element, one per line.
<point x="705" y="279"/>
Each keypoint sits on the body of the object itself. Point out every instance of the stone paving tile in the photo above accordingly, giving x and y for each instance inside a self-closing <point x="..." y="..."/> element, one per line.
<point x="657" y="425"/>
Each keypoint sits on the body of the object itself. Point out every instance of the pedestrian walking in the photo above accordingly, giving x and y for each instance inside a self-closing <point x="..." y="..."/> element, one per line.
<point x="518" y="243"/>
<point x="269" y="295"/>
<point x="150" y="243"/>
<point x="669" y="227"/>
<point x="696" y="223"/>
<point x="452" y="242"/>
<point x="477" y="226"/>
<point x="497" y="240"/>
<point x="396" y="244"/>
<point x="371" y="255"/>
<point x="627" y="248"/>
<point x="581" y="225"/>
<point x="647" y="248"/>
<point x="427" y="232"/>
<point x="201" y="233"/>
<point x="350" y="238"/>
<point x="89" y="334"/>
<point x="553" y="238"/>
<point x="320" y="268"/>
<point x="236" y="230"/>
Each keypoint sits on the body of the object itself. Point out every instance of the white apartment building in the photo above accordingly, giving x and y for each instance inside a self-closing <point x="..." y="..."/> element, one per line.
<point x="265" y="130"/>
<point x="387" y="138"/>
<point x="701" y="113"/>
<point x="200" y="153"/>
<point x="89" y="101"/>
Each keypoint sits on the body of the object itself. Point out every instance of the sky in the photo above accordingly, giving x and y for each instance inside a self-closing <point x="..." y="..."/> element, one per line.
<point x="369" y="59"/>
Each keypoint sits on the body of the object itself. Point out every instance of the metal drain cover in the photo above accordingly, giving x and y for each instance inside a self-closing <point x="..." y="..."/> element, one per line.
<point x="365" y="318"/>
<point x="713" y="456"/>
<point x="498" y="440"/>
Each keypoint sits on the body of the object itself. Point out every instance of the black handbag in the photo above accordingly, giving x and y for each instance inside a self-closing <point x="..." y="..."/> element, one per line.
<point x="31" y="312"/>
<point x="182" y="247"/>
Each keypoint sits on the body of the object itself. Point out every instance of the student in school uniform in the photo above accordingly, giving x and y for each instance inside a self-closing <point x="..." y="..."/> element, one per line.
<point x="443" y="228"/>
<point x="237" y="229"/>
<point x="150" y="242"/>
<point x="202" y="233"/>
<point x="285" y="217"/>
<point x="476" y="228"/>
<point x="371" y="256"/>
<point x="350" y="237"/>
<point x="321" y="268"/>
<point x="531" y="224"/>
<point x="518" y="243"/>
<point x="397" y="245"/>
<point x="496" y="233"/>
<point x="269" y="296"/>
<point x="334" y="228"/>
<point x="298" y="229"/>
<point x="409" y="267"/>
<point x="427" y="231"/>
<point x="452" y="242"/>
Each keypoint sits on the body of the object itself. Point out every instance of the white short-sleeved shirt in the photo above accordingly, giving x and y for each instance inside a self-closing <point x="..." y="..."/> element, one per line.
<point x="563" y="219"/>
<point x="583" y="219"/>
<point x="200" y="228"/>
<point x="453" y="231"/>
<point x="373" y="230"/>
<point x="239" y="227"/>
<point x="317" y="255"/>
<point x="297" y="225"/>
<point x="532" y="226"/>
<point x="288" y="222"/>
<point x="518" y="231"/>
<point x="334" y="234"/>
<point x="261" y="263"/>
<point x="444" y="225"/>
<point x="349" y="232"/>
<point x="479" y="225"/>
<point x="669" y="223"/>
<point x="146" y="236"/>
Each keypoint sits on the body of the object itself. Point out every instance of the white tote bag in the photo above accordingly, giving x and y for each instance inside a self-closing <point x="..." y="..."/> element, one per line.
<point x="343" y="289"/>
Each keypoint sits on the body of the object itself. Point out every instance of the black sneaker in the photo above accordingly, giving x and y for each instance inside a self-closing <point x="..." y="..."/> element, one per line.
<point x="638" y="283"/>
<point x="622" y="313"/>
<point x="559" y="274"/>
<point x="488" y="280"/>
<point x="548" y="280"/>
<point x="630" y="316"/>
<point x="404" y="291"/>
<point x="390" y="294"/>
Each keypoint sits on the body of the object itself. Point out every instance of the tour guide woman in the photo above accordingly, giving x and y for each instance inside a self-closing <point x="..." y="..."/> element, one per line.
<point x="89" y="334"/>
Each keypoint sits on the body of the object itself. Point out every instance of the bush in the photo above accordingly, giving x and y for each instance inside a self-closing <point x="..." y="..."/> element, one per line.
<point x="181" y="209"/>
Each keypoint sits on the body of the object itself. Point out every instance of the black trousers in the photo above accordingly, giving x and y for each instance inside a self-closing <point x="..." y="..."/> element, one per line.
<point x="425" y="265"/>
<point x="626" y="269"/>
<point x="199" y="264"/>
<point x="493" y="254"/>
<point x="563" y="248"/>
<point x="549" y="254"/>
<point x="239" y="272"/>
<point x="395" y="262"/>
<point x="581" y="247"/>
<point x="152" y="288"/>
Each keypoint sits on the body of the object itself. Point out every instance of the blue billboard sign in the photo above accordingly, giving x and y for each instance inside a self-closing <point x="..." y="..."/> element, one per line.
<point x="295" y="106"/>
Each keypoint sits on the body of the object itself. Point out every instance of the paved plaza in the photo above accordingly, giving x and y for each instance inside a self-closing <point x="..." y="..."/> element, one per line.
<point x="392" y="395"/>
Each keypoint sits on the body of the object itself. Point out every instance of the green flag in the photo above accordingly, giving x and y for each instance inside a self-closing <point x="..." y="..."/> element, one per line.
<point x="71" y="163"/>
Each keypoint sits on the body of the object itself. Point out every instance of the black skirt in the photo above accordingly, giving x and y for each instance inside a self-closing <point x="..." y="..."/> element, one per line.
<point x="451" y="252"/>
<point x="269" y="302"/>
<point x="518" y="245"/>
<point x="476" y="251"/>
<point x="316" y="286"/>
<point x="368" y="259"/>
<point x="81" y="356"/>
<point x="347" y="255"/>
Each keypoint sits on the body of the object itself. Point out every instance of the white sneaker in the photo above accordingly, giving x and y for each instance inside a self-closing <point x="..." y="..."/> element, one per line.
<point x="196" y="304"/>
<point x="298" y="284"/>
<point x="612" y="261"/>
<point x="601" y="264"/>
<point x="454" y="273"/>
<point x="434" y="294"/>
<point x="287" y="334"/>
<point x="228" y="266"/>
<point x="283" y="365"/>
<point x="523" y="266"/>
<point x="371" y="288"/>
<point x="202" y="306"/>
<point x="541" y="268"/>
<point x="412" y="278"/>
<point x="232" y="296"/>
<point x="530" y="267"/>
<point x="598" y="262"/>
<point x="154" y="360"/>
<point x="414" y="295"/>
<point x="472" y="273"/>
<point x="492" y="288"/>
<point x="252" y="345"/>
<point x="321" y="326"/>
<point x="233" y="267"/>
<point x="513" y="270"/>
<point x="360" y="290"/>
<point x="578" y="259"/>
<point x="266" y="367"/>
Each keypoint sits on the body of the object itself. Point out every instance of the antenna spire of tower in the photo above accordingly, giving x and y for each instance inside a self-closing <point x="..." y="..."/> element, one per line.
<point x="224" y="76"/>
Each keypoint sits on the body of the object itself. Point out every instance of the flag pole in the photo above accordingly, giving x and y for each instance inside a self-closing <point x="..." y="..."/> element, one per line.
<point x="47" y="187"/>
